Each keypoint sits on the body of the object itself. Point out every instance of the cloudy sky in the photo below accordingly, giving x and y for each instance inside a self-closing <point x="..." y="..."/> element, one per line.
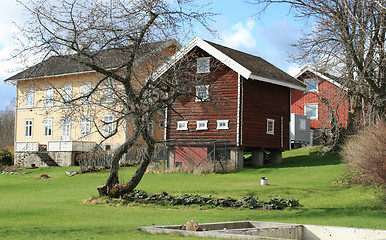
<point x="268" y="36"/>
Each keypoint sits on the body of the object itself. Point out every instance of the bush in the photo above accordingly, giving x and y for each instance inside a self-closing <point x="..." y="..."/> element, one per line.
<point x="365" y="154"/>
<point x="6" y="158"/>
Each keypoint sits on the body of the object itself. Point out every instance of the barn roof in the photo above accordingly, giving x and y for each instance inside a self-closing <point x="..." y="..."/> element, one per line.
<point x="247" y="65"/>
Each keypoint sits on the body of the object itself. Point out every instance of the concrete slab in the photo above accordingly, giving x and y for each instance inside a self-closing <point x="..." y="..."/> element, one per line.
<point x="271" y="230"/>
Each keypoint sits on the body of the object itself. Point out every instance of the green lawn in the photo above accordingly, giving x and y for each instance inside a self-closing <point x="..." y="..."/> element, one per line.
<point x="53" y="209"/>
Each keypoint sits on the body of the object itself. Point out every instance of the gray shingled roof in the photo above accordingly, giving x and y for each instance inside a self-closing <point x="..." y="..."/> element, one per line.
<point x="107" y="59"/>
<point x="257" y="65"/>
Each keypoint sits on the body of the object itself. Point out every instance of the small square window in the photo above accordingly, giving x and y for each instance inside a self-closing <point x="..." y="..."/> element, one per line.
<point x="202" y="125"/>
<point x="222" y="124"/>
<point x="203" y="65"/>
<point x="311" y="110"/>
<point x="312" y="84"/>
<point x="202" y="93"/>
<point x="182" y="125"/>
<point x="270" y="126"/>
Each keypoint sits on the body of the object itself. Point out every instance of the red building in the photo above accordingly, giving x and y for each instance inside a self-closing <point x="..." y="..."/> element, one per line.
<point x="251" y="110"/>
<point x="323" y="91"/>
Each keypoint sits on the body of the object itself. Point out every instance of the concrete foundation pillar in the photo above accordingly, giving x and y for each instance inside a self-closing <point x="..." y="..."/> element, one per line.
<point x="276" y="156"/>
<point x="257" y="158"/>
<point x="237" y="156"/>
<point x="171" y="160"/>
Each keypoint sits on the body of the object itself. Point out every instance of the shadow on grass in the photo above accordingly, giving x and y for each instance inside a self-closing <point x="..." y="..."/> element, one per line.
<point x="312" y="160"/>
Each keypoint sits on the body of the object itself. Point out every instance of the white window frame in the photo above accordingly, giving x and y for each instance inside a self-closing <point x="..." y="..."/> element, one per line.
<point x="269" y="130"/>
<point x="315" y="106"/>
<point x="47" y="127"/>
<point x="203" y="65"/>
<point x="28" y="124"/>
<point x="66" y="127"/>
<point x="108" y="124"/>
<point x="29" y="97"/>
<point x="182" y="125"/>
<point x="67" y="93"/>
<point x="225" y="124"/>
<point x="202" y="125"/>
<point x="202" y="93"/>
<point x="86" y="89"/>
<point x="49" y="101"/>
<point x="109" y="90"/>
<point x="85" y="125"/>
<point x="313" y="80"/>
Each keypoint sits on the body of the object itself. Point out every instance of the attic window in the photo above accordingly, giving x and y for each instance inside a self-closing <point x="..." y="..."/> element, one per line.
<point x="270" y="126"/>
<point x="202" y="125"/>
<point x="182" y="125"/>
<point x="203" y="65"/>
<point x="312" y="84"/>
<point x="202" y="93"/>
<point x="222" y="124"/>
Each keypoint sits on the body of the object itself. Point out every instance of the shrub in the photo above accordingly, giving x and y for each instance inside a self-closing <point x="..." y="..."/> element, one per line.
<point x="365" y="154"/>
<point x="6" y="158"/>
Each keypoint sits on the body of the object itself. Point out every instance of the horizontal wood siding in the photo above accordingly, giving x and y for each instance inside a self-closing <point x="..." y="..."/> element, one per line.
<point x="223" y="90"/>
<point x="261" y="101"/>
<point x="326" y="90"/>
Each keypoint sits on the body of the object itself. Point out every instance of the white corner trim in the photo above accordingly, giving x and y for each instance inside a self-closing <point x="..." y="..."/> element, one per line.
<point x="239" y="113"/>
<point x="278" y="82"/>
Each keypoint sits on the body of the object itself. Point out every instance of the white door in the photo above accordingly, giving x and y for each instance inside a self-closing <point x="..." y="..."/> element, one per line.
<point x="66" y="129"/>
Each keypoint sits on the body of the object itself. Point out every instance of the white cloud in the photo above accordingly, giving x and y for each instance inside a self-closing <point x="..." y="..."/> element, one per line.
<point x="240" y="36"/>
<point x="293" y="70"/>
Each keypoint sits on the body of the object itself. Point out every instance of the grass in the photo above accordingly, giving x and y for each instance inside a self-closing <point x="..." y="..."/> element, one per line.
<point x="53" y="209"/>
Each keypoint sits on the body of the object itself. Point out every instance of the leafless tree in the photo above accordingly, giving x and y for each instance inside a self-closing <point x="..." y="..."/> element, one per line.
<point x="85" y="31"/>
<point x="348" y="37"/>
<point x="7" y="126"/>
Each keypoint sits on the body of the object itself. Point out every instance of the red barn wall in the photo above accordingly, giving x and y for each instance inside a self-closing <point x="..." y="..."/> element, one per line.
<point x="223" y="90"/>
<point x="326" y="90"/>
<point x="263" y="100"/>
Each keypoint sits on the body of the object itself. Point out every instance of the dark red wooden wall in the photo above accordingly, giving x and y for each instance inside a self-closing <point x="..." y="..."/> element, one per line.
<point x="263" y="100"/>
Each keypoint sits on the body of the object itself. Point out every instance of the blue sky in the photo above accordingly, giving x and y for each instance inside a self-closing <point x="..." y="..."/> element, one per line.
<point x="268" y="36"/>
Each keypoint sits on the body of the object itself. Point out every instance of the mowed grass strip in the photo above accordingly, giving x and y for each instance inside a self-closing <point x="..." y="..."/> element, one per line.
<point x="52" y="208"/>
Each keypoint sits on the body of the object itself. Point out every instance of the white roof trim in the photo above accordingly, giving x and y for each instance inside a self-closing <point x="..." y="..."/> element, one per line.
<point x="277" y="82"/>
<point x="196" y="41"/>
<point x="305" y="69"/>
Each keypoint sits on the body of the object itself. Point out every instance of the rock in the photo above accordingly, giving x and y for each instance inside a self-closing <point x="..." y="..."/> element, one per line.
<point x="192" y="226"/>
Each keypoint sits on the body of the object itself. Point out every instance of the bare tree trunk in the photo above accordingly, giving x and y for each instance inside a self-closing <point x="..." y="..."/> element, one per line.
<point x="119" y="190"/>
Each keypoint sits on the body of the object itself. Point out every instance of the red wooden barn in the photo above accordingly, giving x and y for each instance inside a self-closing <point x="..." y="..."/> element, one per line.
<point x="322" y="90"/>
<point x="244" y="105"/>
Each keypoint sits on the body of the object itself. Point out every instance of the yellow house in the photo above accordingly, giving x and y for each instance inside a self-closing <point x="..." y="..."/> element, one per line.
<point x="57" y="115"/>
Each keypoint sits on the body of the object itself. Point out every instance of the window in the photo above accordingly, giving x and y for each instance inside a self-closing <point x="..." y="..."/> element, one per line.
<point x="84" y="126"/>
<point x="202" y="93"/>
<point x="86" y="89"/>
<point x="302" y="124"/>
<point x="49" y="96"/>
<point x="67" y="93"/>
<point x="182" y="125"/>
<point x="66" y="129"/>
<point x="203" y="65"/>
<point x="109" y="90"/>
<point x="311" y="110"/>
<point x="28" y="123"/>
<point x="202" y="125"/>
<point x="108" y="127"/>
<point x="29" y="97"/>
<point x="222" y="124"/>
<point x="48" y="127"/>
<point x="270" y="126"/>
<point x="312" y="84"/>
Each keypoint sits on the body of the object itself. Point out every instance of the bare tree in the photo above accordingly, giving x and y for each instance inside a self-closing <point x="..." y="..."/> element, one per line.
<point x="348" y="37"/>
<point x="85" y="31"/>
<point x="7" y="126"/>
